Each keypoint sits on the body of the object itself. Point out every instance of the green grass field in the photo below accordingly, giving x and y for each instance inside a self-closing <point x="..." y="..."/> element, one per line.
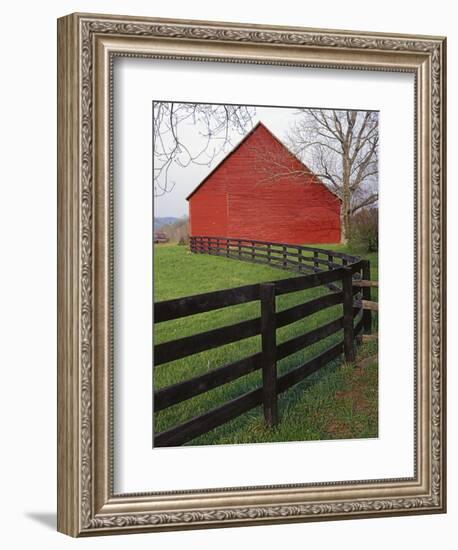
<point x="338" y="401"/>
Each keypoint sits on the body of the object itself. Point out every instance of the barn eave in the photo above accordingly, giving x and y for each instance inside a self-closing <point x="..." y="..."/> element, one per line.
<point x="255" y="127"/>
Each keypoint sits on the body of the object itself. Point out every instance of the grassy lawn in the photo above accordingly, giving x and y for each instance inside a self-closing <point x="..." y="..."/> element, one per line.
<point x="339" y="401"/>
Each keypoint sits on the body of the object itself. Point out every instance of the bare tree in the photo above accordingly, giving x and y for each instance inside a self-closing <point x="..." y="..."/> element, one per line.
<point x="177" y="231"/>
<point x="341" y="147"/>
<point x="193" y="133"/>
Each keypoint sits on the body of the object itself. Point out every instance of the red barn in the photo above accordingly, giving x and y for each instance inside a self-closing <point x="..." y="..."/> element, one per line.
<point x="261" y="191"/>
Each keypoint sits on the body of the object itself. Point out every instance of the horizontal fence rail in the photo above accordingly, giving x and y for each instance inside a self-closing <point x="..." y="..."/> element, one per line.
<point x="341" y="274"/>
<point x="199" y="425"/>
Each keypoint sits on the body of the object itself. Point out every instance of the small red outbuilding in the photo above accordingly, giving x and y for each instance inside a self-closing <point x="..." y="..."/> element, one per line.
<point x="261" y="191"/>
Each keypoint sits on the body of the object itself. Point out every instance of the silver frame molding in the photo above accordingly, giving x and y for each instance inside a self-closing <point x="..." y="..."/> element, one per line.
<point x="87" y="45"/>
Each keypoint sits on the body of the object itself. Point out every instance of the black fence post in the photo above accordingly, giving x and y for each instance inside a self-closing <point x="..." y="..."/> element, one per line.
<point x="284" y="257"/>
<point x="240" y="248"/>
<point x="347" y="289"/>
<point x="269" y="362"/>
<point x="269" y="252"/>
<point x="330" y="261"/>
<point x="299" y="258"/>
<point x="315" y="261"/>
<point x="367" y="316"/>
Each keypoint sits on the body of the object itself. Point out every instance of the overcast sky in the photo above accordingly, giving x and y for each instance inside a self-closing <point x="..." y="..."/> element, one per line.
<point x="277" y="119"/>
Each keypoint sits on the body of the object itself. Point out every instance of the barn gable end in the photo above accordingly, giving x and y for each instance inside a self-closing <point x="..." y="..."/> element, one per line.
<point x="260" y="190"/>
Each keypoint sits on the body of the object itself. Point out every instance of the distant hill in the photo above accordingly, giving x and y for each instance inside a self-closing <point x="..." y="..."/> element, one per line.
<point x="160" y="222"/>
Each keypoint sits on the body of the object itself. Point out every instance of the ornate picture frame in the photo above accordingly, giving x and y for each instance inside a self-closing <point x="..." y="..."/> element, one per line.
<point x="87" y="46"/>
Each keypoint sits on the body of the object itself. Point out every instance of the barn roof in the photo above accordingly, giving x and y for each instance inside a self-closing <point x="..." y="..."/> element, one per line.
<point x="255" y="127"/>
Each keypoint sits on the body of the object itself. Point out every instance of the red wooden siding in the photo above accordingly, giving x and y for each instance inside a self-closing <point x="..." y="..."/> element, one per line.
<point x="208" y="207"/>
<point x="241" y="199"/>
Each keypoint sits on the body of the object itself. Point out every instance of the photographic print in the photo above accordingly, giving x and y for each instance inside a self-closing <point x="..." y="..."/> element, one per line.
<point x="224" y="195"/>
<point x="265" y="274"/>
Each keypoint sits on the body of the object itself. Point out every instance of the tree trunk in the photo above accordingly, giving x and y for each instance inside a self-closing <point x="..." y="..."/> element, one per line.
<point x="345" y="196"/>
<point x="345" y="219"/>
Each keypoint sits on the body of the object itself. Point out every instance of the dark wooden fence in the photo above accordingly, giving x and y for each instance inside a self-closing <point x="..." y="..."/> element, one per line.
<point x="292" y="257"/>
<point x="282" y="255"/>
<point x="341" y="275"/>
